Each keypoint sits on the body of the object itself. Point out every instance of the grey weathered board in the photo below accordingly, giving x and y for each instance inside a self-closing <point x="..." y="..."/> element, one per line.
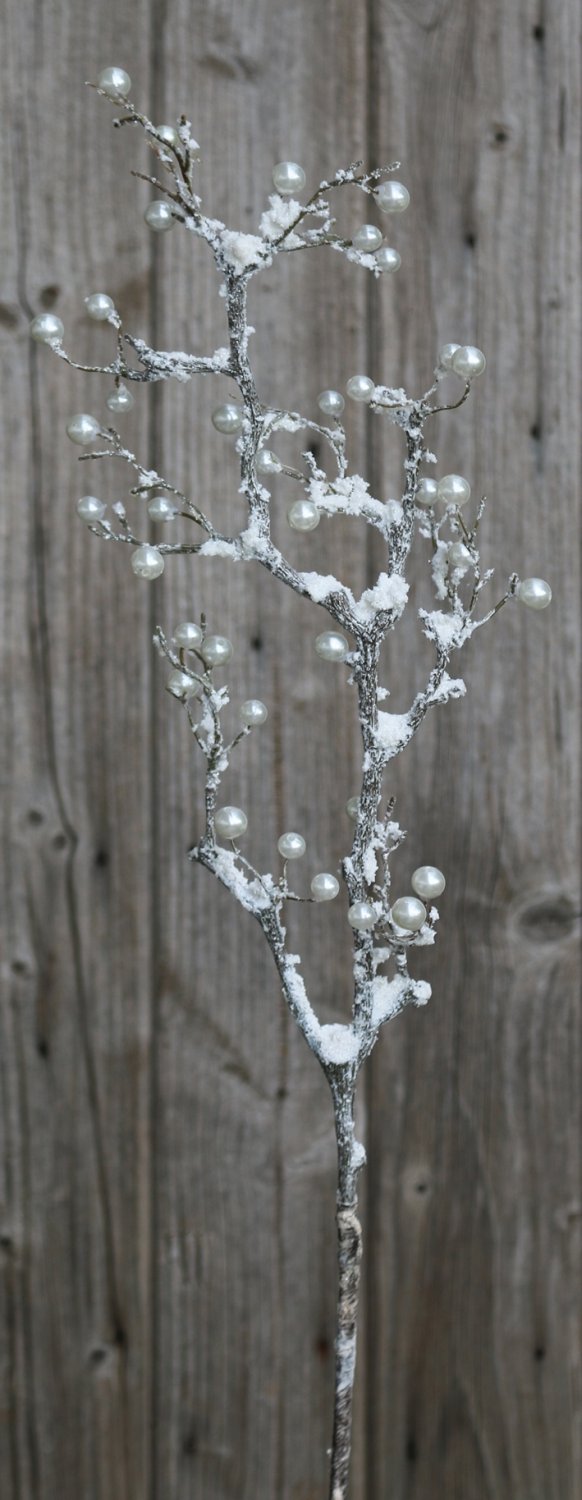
<point x="166" y="1151"/>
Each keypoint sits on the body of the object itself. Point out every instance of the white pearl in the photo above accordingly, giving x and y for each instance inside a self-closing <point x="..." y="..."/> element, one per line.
<point x="331" y="646"/>
<point x="288" y="177"/>
<point x="353" y="808"/>
<point x="360" y="387"/>
<point x="99" y="306"/>
<point x="227" y="418"/>
<point x="147" y="562"/>
<point x="90" y="508"/>
<point x="188" y="635"/>
<point x="182" y="685"/>
<point x="468" y="361"/>
<point x="324" y="887"/>
<point x="169" y="134"/>
<point x="534" y="592"/>
<point x="291" y="845"/>
<point x="367" y="238"/>
<point x="162" y="509"/>
<point x="428" y="882"/>
<point x="47" y="329"/>
<point x="454" y="490"/>
<point x="266" y="462"/>
<point x="361" y="916"/>
<point x="82" y="428"/>
<point x="388" y="259"/>
<point x="446" y="356"/>
<point x="230" y="822"/>
<point x="303" y="515"/>
<point x="253" y="712"/>
<point x="159" y="216"/>
<point x="408" y="913"/>
<point x="120" y="399"/>
<point x="331" y="402"/>
<point x="115" y="82"/>
<point x="459" y="556"/>
<point x="427" y="492"/>
<point x="392" y="197"/>
<point x="216" y="650"/>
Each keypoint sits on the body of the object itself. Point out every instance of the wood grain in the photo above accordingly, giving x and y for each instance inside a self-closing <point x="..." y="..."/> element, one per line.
<point x="166" y="1149"/>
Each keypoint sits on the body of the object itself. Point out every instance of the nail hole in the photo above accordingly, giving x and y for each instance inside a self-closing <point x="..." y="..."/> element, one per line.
<point x="500" y="135"/>
<point x="322" y="1348"/>
<point x="535" y="431"/>
<point x="42" y="1046"/>
<point x="190" y="1444"/>
<point x="97" y="1355"/>
<point x="101" y="859"/>
<point x="49" y="295"/>
<point x="20" y="966"/>
<point x="538" y="32"/>
<point x="411" y="1449"/>
<point x="257" y="642"/>
<point x="120" y="1337"/>
<point x="422" y="1187"/>
<point x="539" y="1352"/>
<point x="35" y="817"/>
<point x="59" y="841"/>
<point x="470" y="239"/>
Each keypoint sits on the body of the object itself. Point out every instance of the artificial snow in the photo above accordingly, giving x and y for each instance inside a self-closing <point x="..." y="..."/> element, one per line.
<point x="390" y="592"/>
<point x="243" y="250"/>
<point x="370" y="865"/>
<point x="393" y="731"/>
<point x="216" y="547"/>
<point x="339" y="1044"/>
<point x="281" y="213"/>
<point x="448" y="687"/>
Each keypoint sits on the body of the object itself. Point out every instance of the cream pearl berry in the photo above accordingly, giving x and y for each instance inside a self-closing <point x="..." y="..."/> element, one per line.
<point x="99" y="306"/>
<point x="353" y="808"/>
<point x="47" y="329"/>
<point x="534" y="592"/>
<point x="288" y="177"/>
<point x="188" y="636"/>
<point x="253" y="712"/>
<point x="182" y="685"/>
<point x="446" y="355"/>
<point x="147" y="562"/>
<point x="216" y="650"/>
<point x="162" y="509"/>
<point x="331" y="645"/>
<point x="120" y="399"/>
<point x="114" y="82"/>
<point x="291" y="845"/>
<point x="266" y="462"/>
<point x="428" y="882"/>
<point x="360" y="388"/>
<point x="168" y="134"/>
<point x="361" y="916"/>
<point x="392" y="197"/>
<point x="83" y="428"/>
<point x="408" y="913"/>
<point x="303" y="515"/>
<point x="89" y="508"/>
<point x="324" y="887"/>
<point x="331" y="403"/>
<point x="454" y="489"/>
<point x="230" y="822"/>
<point x="467" y="361"/>
<point x="367" y="238"/>
<point x="388" y="259"/>
<point x="427" y="492"/>
<point x="158" y="216"/>
<point x="227" y="418"/>
<point x="459" y="556"/>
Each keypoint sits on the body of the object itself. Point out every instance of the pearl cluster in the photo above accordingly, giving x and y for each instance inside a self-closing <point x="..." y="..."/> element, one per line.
<point x="452" y="489"/>
<point x="463" y="359"/>
<point x="409" y="912"/>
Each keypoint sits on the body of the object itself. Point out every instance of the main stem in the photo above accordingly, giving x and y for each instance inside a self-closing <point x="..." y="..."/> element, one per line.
<point x="349" y="1253"/>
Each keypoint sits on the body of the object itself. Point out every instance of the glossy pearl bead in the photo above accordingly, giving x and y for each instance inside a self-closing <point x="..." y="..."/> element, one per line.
<point x="161" y="509"/>
<point x="454" y="490"/>
<point x="253" y="712"/>
<point x="169" y="134"/>
<point x="266" y="462"/>
<point x="361" y="916"/>
<point x="360" y="387"/>
<point x="353" y="808"/>
<point x="47" y="329"/>
<point x="147" y="562"/>
<point x="288" y="177"/>
<point x="428" y="882"/>
<point x="408" y="913"/>
<point x="227" y="418"/>
<point x="331" y="646"/>
<point x="291" y="845"/>
<point x="303" y="515"/>
<point x="216" y="650"/>
<point x="115" y="82"/>
<point x="159" y="216"/>
<point x="90" y="508"/>
<point x="427" y="492"/>
<point x="188" y="635"/>
<point x="324" y="887"/>
<point x="82" y="428"/>
<point x="367" y="238"/>
<point x="331" y="402"/>
<point x="99" y="306"/>
<point x="120" y="399"/>
<point x="388" y="259"/>
<point x="230" y="822"/>
<point x="534" y="592"/>
<point x="182" y="685"/>
<point x="468" y="361"/>
<point x="459" y="556"/>
<point x="446" y="356"/>
<point x="392" y="197"/>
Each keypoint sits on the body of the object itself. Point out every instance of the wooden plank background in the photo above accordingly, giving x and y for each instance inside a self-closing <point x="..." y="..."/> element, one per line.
<point x="166" y="1149"/>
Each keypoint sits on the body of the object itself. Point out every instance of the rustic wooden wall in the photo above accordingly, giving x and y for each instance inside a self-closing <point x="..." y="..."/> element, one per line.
<point x="166" y="1152"/>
